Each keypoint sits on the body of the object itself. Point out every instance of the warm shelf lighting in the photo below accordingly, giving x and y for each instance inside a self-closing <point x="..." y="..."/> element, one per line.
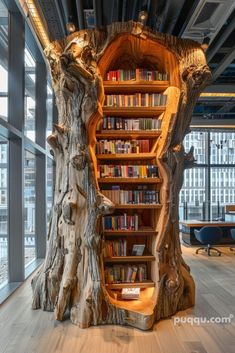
<point x="31" y="12"/>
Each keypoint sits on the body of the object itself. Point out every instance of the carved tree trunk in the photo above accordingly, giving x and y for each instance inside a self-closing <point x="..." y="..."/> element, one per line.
<point x="72" y="277"/>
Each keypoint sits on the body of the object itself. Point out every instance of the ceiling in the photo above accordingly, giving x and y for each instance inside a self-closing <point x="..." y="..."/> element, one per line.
<point x="209" y="21"/>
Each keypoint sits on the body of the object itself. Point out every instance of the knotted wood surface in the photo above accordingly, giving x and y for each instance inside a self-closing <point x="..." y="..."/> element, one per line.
<point x="72" y="277"/>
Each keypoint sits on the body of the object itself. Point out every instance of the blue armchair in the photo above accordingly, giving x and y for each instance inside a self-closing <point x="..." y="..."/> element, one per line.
<point x="208" y="236"/>
<point x="232" y="231"/>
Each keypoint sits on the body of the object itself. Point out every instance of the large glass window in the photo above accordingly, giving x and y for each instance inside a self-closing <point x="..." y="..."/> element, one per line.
<point x="12" y="151"/>
<point x="3" y="212"/>
<point x="192" y="195"/>
<point x="49" y="109"/>
<point x="197" y="139"/>
<point x="49" y="189"/>
<point x="29" y="206"/>
<point x="222" y="147"/>
<point x="208" y="189"/>
<point x="30" y="84"/>
<point x="222" y="190"/>
<point x="3" y="61"/>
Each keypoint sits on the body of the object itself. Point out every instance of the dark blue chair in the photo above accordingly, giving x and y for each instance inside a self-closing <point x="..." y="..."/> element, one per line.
<point x="208" y="236"/>
<point x="232" y="231"/>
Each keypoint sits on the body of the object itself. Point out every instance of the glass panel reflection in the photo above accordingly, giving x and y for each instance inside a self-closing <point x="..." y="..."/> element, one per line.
<point x="3" y="212"/>
<point x="29" y="207"/>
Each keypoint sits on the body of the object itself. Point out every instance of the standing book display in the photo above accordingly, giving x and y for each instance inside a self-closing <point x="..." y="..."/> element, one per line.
<point x="125" y="97"/>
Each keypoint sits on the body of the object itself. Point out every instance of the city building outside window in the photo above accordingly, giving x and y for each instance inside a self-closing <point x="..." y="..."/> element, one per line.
<point x="29" y="207"/>
<point x="210" y="185"/>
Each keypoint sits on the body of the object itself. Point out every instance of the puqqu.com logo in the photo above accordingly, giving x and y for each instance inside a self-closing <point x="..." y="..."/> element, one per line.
<point x="195" y="320"/>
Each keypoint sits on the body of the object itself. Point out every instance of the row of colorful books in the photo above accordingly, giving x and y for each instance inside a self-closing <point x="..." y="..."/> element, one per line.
<point x="115" y="248"/>
<point x="118" y="123"/>
<point x="127" y="171"/>
<point x="121" y="222"/>
<point x="137" y="74"/>
<point x="122" y="146"/>
<point x="136" y="100"/>
<point x="126" y="273"/>
<point x="118" y="196"/>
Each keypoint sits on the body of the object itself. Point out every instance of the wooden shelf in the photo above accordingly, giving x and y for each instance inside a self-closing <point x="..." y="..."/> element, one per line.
<point x="144" y="284"/>
<point x="148" y="112"/>
<point x="126" y="156"/>
<point x="129" y="233"/>
<point x="143" y="258"/>
<point x="129" y="180"/>
<point x="138" y="206"/>
<point x="135" y="86"/>
<point x="112" y="134"/>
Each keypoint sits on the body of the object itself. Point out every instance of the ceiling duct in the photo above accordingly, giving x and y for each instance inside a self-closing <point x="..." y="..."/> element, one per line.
<point x="207" y="19"/>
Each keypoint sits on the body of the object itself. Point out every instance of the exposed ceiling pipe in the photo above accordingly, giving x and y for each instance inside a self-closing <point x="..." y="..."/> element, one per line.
<point x="69" y="13"/>
<point x="79" y="6"/>
<point x="227" y="107"/>
<point x="185" y="15"/>
<point x="152" y="14"/>
<point x="228" y="59"/>
<point x="173" y="16"/>
<point x="116" y="13"/>
<point x="220" y="40"/>
<point x="135" y="11"/>
<point x="124" y="5"/>
<point x="162" y="14"/>
<point x="98" y="12"/>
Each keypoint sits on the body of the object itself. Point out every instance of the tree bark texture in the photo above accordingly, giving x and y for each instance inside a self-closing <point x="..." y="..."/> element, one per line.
<point x="71" y="279"/>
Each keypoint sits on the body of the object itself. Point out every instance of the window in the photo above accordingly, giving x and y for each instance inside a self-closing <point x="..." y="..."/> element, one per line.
<point x="3" y="61"/>
<point x="3" y="212"/>
<point x="222" y="189"/>
<point x="222" y="147"/>
<point x="25" y="57"/>
<point x="49" y="189"/>
<point x="49" y="110"/>
<point x="197" y="139"/>
<point x="192" y="195"/>
<point x="212" y="187"/>
<point x="29" y="207"/>
<point x="30" y="84"/>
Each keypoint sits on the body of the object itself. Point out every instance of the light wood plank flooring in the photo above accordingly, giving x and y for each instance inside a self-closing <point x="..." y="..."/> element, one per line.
<point x="25" y="331"/>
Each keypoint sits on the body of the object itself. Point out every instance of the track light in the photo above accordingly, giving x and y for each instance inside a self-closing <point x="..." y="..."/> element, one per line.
<point x="143" y="16"/>
<point x="70" y="27"/>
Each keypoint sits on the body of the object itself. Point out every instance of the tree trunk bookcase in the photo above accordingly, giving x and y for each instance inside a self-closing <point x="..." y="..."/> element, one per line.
<point x="73" y="277"/>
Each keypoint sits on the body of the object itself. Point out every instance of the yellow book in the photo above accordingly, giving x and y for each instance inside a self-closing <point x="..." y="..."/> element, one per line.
<point x="134" y="273"/>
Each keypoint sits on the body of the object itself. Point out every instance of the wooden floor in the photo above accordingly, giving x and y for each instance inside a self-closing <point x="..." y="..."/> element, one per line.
<point x="25" y="331"/>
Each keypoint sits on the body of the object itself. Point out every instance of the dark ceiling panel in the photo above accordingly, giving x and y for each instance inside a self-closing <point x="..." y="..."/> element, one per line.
<point x="52" y="18"/>
<point x="185" y="14"/>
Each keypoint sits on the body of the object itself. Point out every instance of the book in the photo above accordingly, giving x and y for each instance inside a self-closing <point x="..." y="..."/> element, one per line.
<point x="139" y="74"/>
<point x="121" y="222"/>
<point x="130" y="293"/>
<point x="133" y="197"/>
<point x="125" y="273"/>
<point x="127" y="171"/>
<point x="138" y="249"/>
<point x="120" y="123"/>
<point x="135" y="100"/>
<point x="122" y="146"/>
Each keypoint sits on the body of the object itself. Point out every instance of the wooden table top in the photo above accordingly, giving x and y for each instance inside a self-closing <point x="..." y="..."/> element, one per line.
<point x="195" y="223"/>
